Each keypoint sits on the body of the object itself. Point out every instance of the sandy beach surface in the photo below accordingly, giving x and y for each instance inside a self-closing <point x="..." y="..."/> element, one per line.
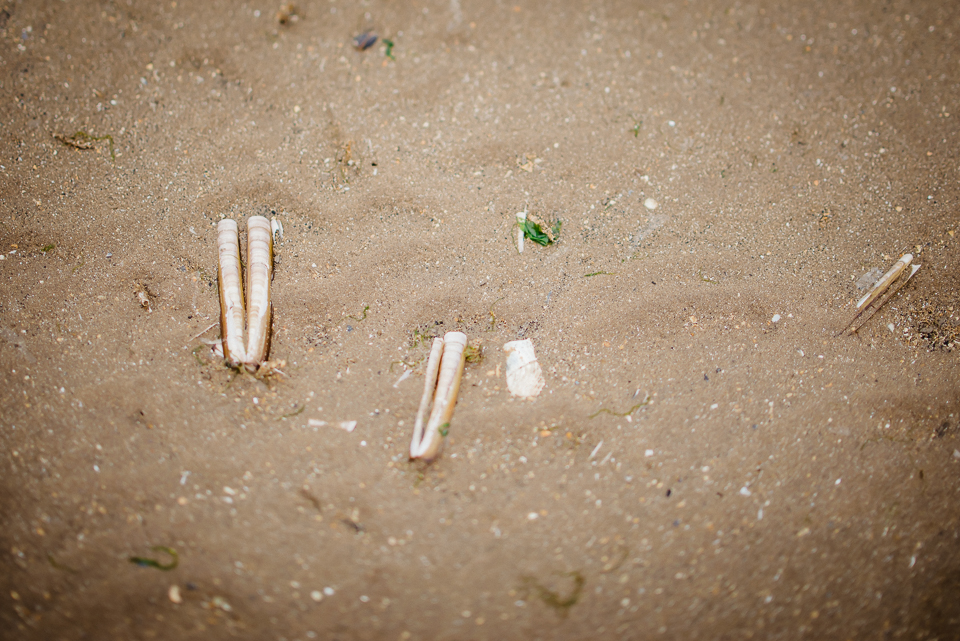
<point x="709" y="458"/>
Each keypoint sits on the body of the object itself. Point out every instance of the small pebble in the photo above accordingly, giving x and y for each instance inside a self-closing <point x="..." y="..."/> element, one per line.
<point x="174" y="594"/>
<point x="364" y="598"/>
<point x="316" y="595"/>
<point x="328" y="591"/>
<point x="776" y="318"/>
<point x="745" y="491"/>
<point x="650" y="204"/>
<point x="533" y="516"/>
<point x="648" y="453"/>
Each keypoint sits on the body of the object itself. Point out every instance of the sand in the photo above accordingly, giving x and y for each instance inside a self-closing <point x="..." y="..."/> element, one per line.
<point x="708" y="459"/>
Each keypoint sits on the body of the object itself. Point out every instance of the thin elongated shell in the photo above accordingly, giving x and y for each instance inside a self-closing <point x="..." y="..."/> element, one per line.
<point x="231" y="292"/>
<point x="259" y="274"/>
<point x="867" y="312"/>
<point x="427" y="440"/>
<point x="429" y="390"/>
<point x="892" y="274"/>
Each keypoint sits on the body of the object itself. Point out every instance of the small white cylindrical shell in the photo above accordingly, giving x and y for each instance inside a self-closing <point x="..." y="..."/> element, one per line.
<point x="259" y="274"/>
<point x="524" y="376"/>
<point x="440" y="388"/>
<point x="231" y="292"/>
<point x="521" y="219"/>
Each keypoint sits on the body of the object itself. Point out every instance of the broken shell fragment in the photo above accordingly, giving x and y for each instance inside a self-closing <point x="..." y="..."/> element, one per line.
<point x="524" y="376"/>
<point x="259" y="274"/>
<point x="231" y="292"/>
<point x="440" y="388"/>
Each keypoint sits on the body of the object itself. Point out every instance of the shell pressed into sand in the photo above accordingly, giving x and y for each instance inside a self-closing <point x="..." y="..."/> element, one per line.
<point x="231" y="292"/>
<point x="440" y="388"/>
<point x="259" y="274"/>
<point x="524" y="376"/>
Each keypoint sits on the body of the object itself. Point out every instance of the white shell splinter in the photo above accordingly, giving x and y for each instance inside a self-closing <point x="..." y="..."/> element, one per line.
<point x="252" y="320"/>
<point x="440" y="388"/>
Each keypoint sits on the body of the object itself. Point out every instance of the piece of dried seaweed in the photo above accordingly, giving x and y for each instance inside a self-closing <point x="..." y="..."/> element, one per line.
<point x="82" y="140"/>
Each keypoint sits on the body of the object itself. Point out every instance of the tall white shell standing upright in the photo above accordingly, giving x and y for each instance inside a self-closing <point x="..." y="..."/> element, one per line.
<point x="524" y="376"/>
<point x="259" y="273"/>
<point x="231" y="292"/>
<point x="440" y="388"/>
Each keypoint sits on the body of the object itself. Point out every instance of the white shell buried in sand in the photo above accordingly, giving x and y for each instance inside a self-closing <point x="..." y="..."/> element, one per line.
<point x="524" y="376"/>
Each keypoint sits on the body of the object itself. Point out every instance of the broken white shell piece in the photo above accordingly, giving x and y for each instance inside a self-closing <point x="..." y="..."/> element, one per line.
<point x="440" y="388"/>
<point x="403" y="377"/>
<point x="277" y="228"/>
<point x="231" y="292"/>
<point x="259" y="274"/>
<point x="524" y="376"/>
<point x="347" y="426"/>
<point x="892" y="274"/>
<point x="521" y="218"/>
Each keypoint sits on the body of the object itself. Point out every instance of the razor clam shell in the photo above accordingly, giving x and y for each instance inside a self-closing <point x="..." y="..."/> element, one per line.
<point x="259" y="274"/>
<point x="892" y="274"/>
<point x="429" y="390"/>
<point x="230" y="285"/>
<point x="867" y="313"/>
<point x="445" y="398"/>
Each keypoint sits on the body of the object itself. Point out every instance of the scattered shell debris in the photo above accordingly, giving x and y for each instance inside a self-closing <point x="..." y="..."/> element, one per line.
<point x="524" y="376"/>
<point x="440" y="388"/>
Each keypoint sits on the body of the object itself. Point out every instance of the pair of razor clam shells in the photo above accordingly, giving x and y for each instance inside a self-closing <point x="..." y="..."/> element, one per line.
<point x="246" y="330"/>
<point x="245" y="327"/>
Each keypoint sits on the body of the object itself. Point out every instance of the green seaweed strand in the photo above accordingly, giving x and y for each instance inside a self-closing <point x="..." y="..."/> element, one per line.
<point x="153" y="563"/>
<point x="633" y="409"/>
